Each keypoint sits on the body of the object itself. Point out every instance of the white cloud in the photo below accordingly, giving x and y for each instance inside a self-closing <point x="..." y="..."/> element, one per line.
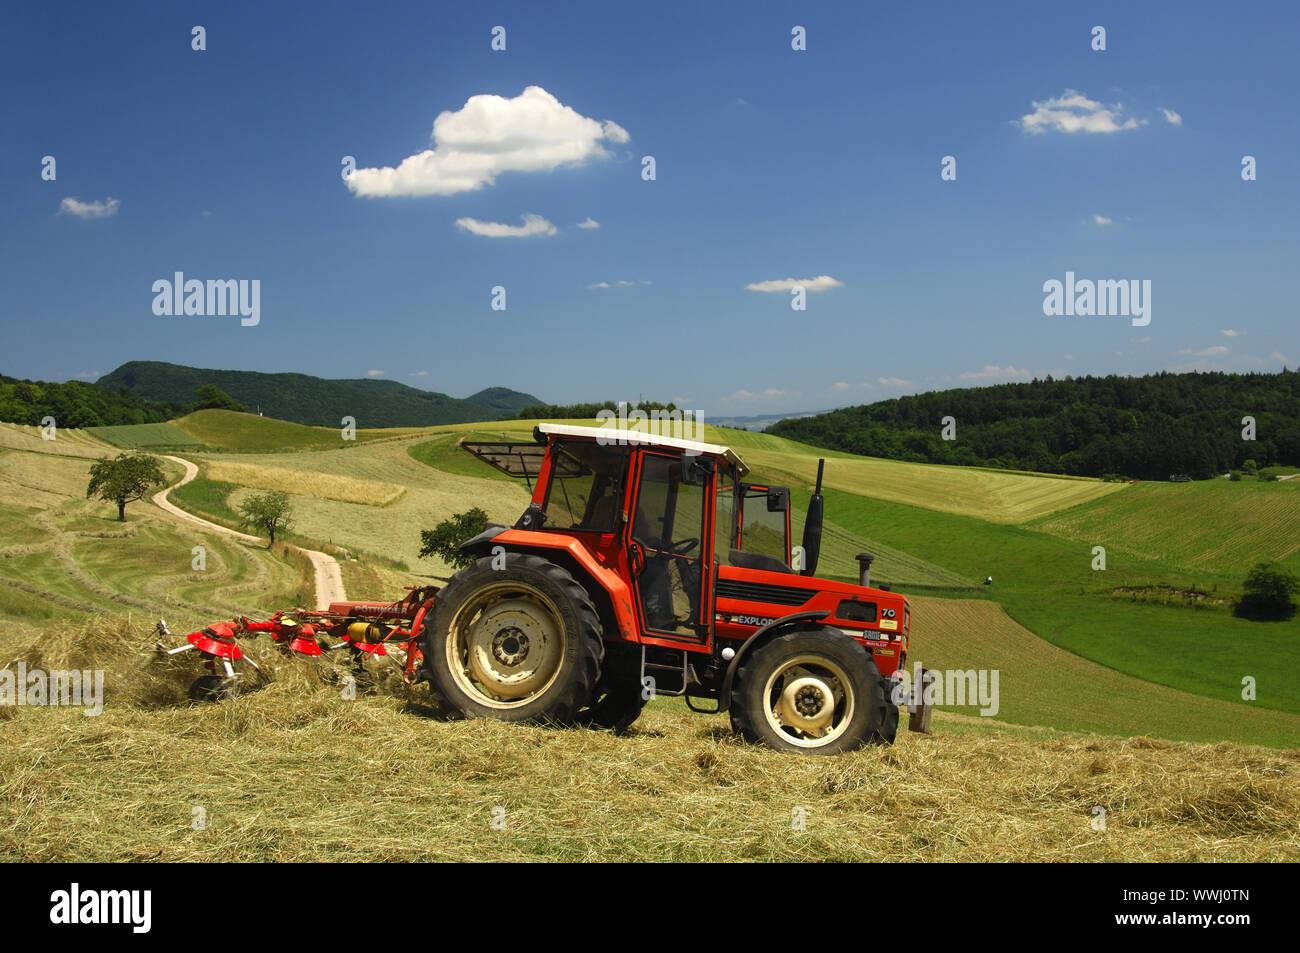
<point x="1171" y="117"/>
<point x="621" y="283"/>
<point x="1279" y="356"/>
<point x="374" y="373"/>
<point x="892" y="382"/>
<point x="95" y="209"/>
<point x="1074" y="112"/>
<point x="1229" y="332"/>
<point x="743" y="396"/>
<point x="820" y="283"/>
<point x="418" y="374"/>
<point x="1214" y="351"/>
<point x="992" y="372"/>
<point x="1101" y="220"/>
<point x="589" y="223"/>
<point x="533" y="132"/>
<point x="533" y="225"/>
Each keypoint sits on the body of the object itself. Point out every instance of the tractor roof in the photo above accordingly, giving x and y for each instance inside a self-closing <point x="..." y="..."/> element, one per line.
<point x="650" y="440"/>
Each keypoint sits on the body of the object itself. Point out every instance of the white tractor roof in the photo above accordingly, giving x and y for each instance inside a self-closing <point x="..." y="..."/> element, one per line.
<point x="620" y="436"/>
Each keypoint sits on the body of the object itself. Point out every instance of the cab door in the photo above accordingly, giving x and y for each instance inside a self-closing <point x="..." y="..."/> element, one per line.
<point x="668" y="545"/>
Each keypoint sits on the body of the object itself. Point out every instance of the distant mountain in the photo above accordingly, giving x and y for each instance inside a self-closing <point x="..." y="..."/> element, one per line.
<point x="761" y="421"/>
<point x="305" y="399"/>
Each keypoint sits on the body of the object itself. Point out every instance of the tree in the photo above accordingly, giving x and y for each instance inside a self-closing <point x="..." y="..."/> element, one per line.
<point x="444" y="539"/>
<point x="124" y="479"/>
<point x="267" y="512"/>
<point x="212" y="397"/>
<point x="1268" y="593"/>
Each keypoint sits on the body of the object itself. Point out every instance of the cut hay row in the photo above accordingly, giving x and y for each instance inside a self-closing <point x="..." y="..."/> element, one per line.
<point x="305" y="482"/>
<point x="67" y="442"/>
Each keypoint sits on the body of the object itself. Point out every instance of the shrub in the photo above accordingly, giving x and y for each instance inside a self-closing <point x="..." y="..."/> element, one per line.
<point x="1268" y="593"/>
<point x="444" y="539"/>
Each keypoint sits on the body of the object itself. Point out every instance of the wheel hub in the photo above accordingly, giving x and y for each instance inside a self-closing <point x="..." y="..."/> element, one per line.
<point x="510" y="646"/>
<point x="513" y="649"/>
<point x="808" y="704"/>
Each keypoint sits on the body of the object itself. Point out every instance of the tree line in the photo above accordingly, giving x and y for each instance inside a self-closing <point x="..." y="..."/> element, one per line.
<point x="1149" y="427"/>
<point x="79" y="404"/>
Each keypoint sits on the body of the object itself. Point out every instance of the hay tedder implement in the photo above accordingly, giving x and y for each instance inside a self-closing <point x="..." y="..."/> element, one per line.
<point x="362" y="629"/>
<point x="644" y="565"/>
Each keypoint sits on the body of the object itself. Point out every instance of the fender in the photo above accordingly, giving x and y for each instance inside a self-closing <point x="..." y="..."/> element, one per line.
<point x="760" y="636"/>
<point x="518" y="540"/>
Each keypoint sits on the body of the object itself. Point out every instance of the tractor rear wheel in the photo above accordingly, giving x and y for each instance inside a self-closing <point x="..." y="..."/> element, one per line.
<point x="809" y="691"/>
<point x="519" y="643"/>
<point x="619" y="698"/>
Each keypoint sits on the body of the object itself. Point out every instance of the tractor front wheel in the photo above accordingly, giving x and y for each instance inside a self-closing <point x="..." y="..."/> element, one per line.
<point x="809" y="691"/>
<point x="517" y="643"/>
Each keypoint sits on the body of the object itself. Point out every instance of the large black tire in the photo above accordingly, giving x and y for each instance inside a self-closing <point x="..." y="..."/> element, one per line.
<point x="519" y="643"/>
<point x="889" y="722"/>
<point x="809" y="691"/>
<point x="620" y="696"/>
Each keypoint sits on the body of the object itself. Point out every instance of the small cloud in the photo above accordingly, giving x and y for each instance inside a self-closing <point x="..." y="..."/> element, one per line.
<point x="1214" y="351"/>
<point x="207" y="213"/>
<point x="820" y="283"/>
<point x="892" y="382"/>
<point x="621" y="283"/>
<point x="1072" y="112"/>
<point x="993" y="372"/>
<point x="533" y="225"/>
<point x="1171" y="117"/>
<point x="1229" y="332"/>
<point x="644" y="282"/>
<point x="1101" y="220"/>
<point x="374" y="373"/>
<point x="589" y="223"/>
<point x="743" y="396"/>
<point x="95" y="209"/>
<point x="1279" y="356"/>
<point x="1145" y="340"/>
<point x="418" y="374"/>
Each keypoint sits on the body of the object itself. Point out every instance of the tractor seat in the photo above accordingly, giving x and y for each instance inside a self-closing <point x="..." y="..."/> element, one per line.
<point x="743" y="559"/>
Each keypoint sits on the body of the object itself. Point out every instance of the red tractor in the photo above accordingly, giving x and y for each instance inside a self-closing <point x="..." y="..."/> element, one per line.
<point x="645" y="565"/>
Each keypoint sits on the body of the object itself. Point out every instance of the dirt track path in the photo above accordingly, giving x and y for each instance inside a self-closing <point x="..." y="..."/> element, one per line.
<point x="329" y="580"/>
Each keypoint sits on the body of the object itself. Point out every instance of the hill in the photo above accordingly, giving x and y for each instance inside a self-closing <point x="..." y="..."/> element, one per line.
<point x="1147" y="427"/>
<point x="316" y="401"/>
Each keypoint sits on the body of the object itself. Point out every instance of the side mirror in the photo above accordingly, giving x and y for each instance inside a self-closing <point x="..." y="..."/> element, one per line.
<point x="778" y="499"/>
<point x="696" y="470"/>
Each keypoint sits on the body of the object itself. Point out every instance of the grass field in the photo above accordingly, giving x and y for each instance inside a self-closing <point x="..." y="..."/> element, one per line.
<point x="1205" y="525"/>
<point x="296" y="772"/>
<point x="228" y="430"/>
<point x="132" y="436"/>
<point x="387" y="782"/>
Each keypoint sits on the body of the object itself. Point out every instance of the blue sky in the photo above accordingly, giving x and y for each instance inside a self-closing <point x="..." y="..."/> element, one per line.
<point x="770" y="164"/>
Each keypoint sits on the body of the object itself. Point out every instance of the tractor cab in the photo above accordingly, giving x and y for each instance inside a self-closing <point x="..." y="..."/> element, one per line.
<point x="689" y="573"/>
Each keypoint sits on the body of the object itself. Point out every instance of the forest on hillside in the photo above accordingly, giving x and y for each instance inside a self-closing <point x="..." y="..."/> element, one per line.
<point x="1149" y="428"/>
<point x="79" y="404"/>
